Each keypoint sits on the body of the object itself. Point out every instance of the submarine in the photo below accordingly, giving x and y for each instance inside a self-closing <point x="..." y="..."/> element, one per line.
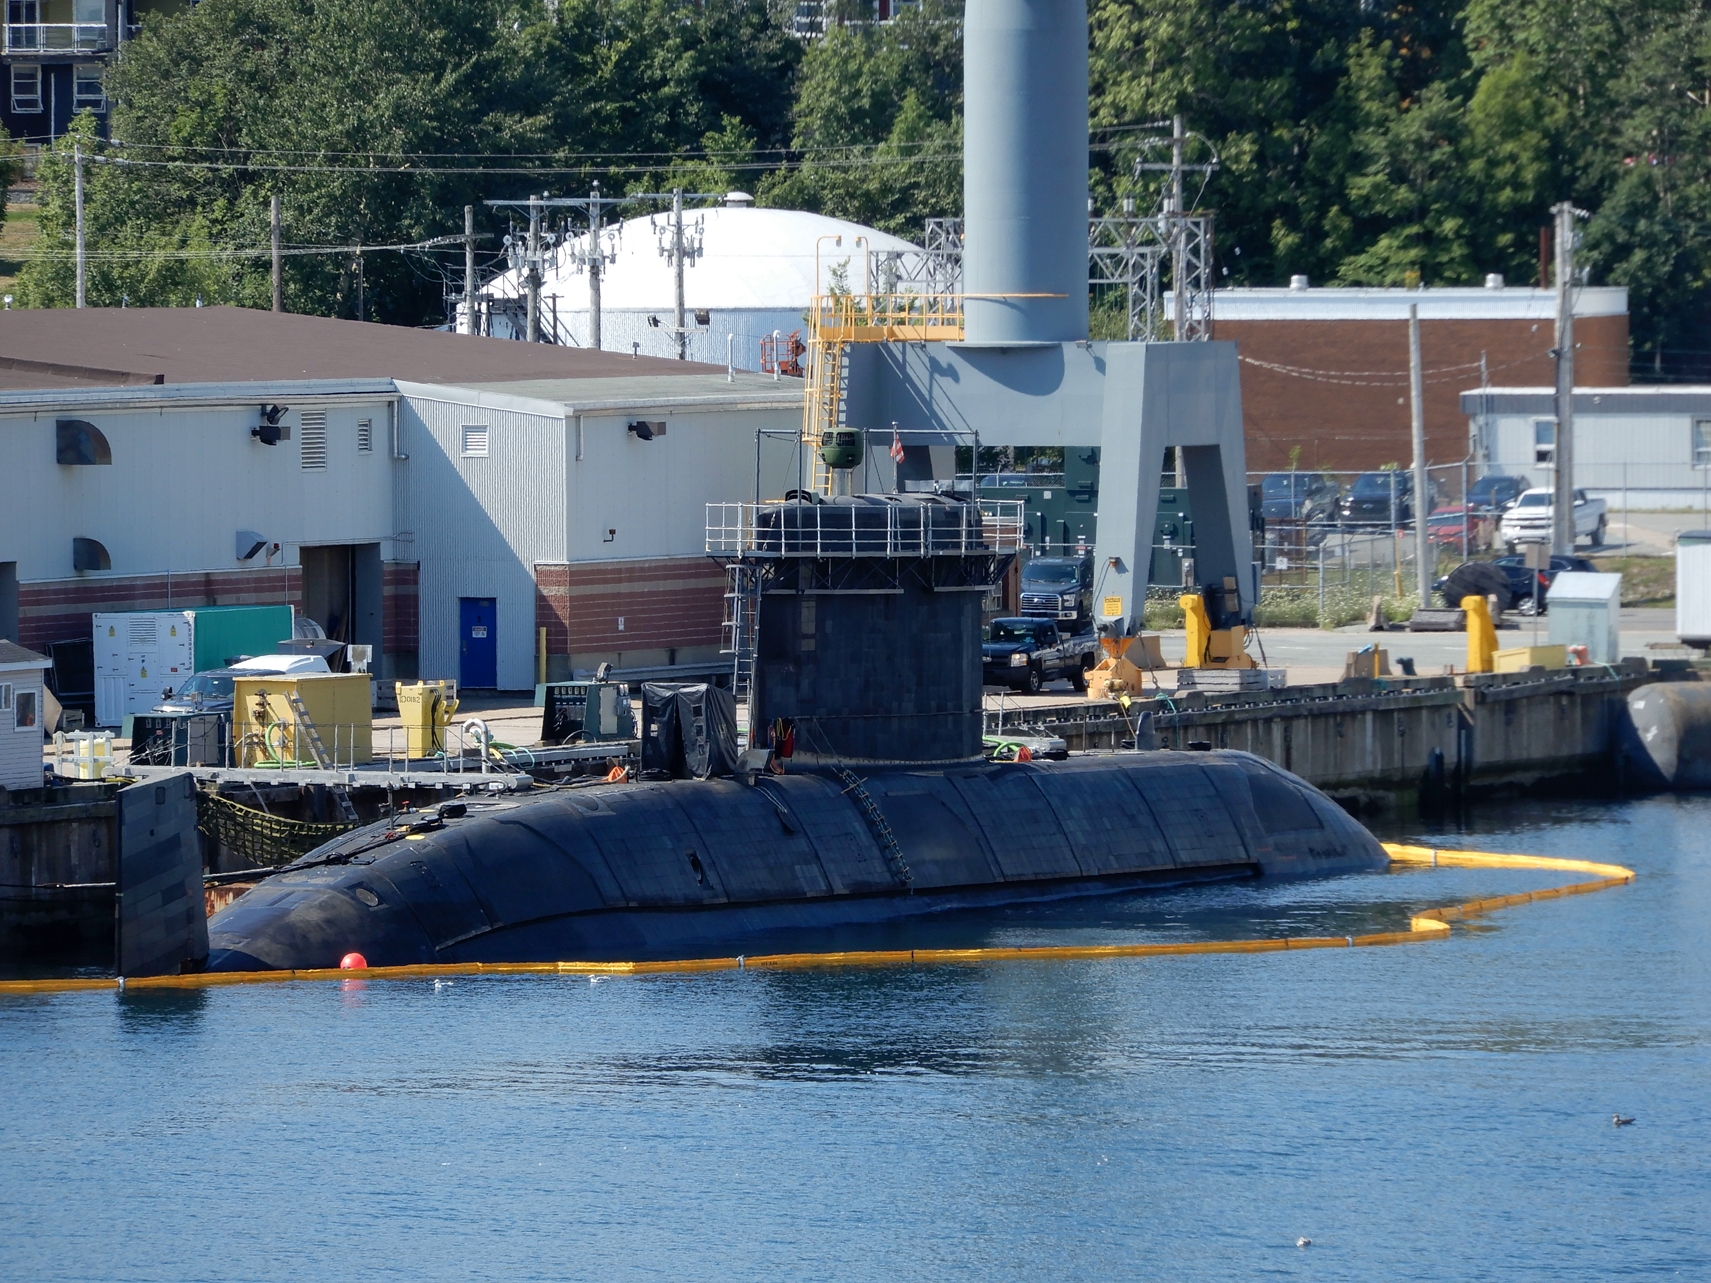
<point x="866" y="799"/>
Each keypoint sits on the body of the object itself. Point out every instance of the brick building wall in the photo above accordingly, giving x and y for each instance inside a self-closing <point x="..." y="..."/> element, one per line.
<point x="1351" y="412"/>
<point x="664" y="604"/>
<point x="61" y="609"/>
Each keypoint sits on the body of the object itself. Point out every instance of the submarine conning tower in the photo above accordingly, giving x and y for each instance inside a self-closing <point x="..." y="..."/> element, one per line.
<point x="855" y="621"/>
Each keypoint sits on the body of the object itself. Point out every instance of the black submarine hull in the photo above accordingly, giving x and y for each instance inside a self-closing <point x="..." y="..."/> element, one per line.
<point x="679" y="868"/>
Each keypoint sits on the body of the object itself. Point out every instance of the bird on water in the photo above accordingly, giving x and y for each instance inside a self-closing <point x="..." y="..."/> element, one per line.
<point x="1619" y="1121"/>
<point x="1303" y="1241"/>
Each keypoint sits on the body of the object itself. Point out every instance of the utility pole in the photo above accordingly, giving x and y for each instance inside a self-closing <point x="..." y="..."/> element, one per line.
<point x="534" y="272"/>
<point x="469" y="269"/>
<point x="1562" y="506"/>
<point x="1174" y="231"/>
<point x="1178" y="236"/>
<point x="1417" y="412"/>
<point x="677" y="269"/>
<point x="593" y="258"/>
<point x="278" y="281"/>
<point x="77" y="196"/>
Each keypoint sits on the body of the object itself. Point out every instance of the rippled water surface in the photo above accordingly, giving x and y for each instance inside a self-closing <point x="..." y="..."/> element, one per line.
<point x="1439" y="1111"/>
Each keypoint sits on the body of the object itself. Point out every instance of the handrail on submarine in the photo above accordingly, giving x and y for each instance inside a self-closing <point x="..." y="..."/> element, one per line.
<point x="1428" y="925"/>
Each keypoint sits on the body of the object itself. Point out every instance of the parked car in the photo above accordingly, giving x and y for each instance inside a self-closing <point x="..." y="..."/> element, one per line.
<point x="1520" y="579"/>
<point x="1529" y="521"/>
<point x="1448" y="527"/>
<point x="1495" y="494"/>
<point x="1299" y="496"/>
<point x="210" y="691"/>
<point x="1025" y="654"/>
<point x="1382" y="499"/>
<point x="1059" y="588"/>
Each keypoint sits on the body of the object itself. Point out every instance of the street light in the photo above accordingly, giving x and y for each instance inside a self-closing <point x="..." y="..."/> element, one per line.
<point x="836" y="240"/>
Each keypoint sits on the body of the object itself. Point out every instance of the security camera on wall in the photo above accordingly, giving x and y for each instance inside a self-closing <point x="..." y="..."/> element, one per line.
<point x="269" y="431"/>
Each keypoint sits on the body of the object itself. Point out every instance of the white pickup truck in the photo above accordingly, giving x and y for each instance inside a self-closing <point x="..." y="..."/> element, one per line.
<point x="1529" y="521"/>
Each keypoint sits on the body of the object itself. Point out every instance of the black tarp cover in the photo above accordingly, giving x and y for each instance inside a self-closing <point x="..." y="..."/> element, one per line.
<point x="689" y="730"/>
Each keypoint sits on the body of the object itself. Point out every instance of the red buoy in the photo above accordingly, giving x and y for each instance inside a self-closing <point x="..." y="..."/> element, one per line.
<point x="353" y="962"/>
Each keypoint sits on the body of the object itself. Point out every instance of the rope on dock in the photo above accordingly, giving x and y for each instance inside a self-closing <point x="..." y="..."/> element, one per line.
<point x="1431" y="924"/>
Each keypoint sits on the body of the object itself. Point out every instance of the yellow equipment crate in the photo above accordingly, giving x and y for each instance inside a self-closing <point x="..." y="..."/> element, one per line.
<point x="265" y="728"/>
<point x="1518" y="659"/>
<point x="425" y="709"/>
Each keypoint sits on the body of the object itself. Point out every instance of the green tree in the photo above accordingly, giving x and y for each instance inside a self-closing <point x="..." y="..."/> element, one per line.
<point x="878" y="123"/>
<point x="354" y="112"/>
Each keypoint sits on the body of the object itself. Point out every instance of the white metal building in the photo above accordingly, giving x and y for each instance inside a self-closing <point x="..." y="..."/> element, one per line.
<point x="20" y="716"/>
<point x="756" y="273"/>
<point x="467" y="498"/>
<point x="1637" y="447"/>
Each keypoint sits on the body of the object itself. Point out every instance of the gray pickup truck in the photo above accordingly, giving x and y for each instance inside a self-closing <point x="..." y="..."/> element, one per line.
<point x="1026" y="653"/>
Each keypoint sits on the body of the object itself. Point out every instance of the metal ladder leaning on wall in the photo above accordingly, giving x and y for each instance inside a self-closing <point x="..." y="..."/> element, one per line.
<point x="307" y="730"/>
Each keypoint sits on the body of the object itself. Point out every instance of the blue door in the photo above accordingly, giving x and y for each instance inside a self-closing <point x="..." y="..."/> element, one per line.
<point x="478" y="652"/>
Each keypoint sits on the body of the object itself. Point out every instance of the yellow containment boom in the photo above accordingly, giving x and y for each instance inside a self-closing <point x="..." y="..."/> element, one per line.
<point x="1432" y="924"/>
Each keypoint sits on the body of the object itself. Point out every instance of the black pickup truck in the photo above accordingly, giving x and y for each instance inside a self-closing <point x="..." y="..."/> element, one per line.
<point x="1027" y="653"/>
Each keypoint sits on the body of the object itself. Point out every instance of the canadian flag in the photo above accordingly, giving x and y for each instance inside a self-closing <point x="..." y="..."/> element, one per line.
<point x="896" y="445"/>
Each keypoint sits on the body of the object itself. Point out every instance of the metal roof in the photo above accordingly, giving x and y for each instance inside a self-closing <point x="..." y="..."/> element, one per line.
<point x="57" y="348"/>
<point x="1676" y="398"/>
<point x="699" y="391"/>
<point x="1471" y="303"/>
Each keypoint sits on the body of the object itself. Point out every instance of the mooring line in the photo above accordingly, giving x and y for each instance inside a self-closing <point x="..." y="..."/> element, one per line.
<point x="1431" y="924"/>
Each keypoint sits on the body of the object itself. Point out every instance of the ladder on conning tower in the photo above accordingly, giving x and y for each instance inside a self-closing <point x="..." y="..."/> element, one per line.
<point x="823" y="411"/>
<point x="743" y="586"/>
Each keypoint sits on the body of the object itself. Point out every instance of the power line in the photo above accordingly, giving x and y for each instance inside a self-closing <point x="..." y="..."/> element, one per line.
<point x="543" y="171"/>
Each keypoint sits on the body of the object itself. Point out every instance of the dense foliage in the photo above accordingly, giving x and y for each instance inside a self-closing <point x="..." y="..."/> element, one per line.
<point x="1357" y="143"/>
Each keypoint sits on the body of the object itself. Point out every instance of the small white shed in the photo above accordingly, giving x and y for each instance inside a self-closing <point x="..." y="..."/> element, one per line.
<point x="1693" y="587"/>
<point x="21" y="716"/>
<point x="1585" y="611"/>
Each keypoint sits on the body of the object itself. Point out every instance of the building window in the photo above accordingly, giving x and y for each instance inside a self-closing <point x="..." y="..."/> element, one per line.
<point x="1702" y="443"/>
<point x="475" y="440"/>
<point x="1544" y="442"/>
<point x="87" y="90"/>
<point x="365" y="436"/>
<point x="24" y="711"/>
<point x="314" y="438"/>
<point x="5" y="696"/>
<point x="26" y="88"/>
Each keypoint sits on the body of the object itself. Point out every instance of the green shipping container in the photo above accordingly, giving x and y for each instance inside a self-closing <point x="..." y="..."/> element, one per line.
<point x="222" y="633"/>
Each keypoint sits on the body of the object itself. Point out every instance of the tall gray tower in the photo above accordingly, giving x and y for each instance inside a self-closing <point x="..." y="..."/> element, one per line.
<point x="1025" y="169"/>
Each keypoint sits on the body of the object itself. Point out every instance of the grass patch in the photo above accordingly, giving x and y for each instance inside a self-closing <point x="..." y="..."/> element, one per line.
<point x="1289" y="607"/>
<point x="1646" y="581"/>
<point x="17" y="235"/>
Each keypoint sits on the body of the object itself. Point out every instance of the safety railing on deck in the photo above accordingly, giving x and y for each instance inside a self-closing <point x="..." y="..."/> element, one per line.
<point x="885" y="318"/>
<point x="35" y="37"/>
<point x="872" y="527"/>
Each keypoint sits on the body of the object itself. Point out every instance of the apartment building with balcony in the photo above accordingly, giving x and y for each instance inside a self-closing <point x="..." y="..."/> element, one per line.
<point x="54" y="55"/>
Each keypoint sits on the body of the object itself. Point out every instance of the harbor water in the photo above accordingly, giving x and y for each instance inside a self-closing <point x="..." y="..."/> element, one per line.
<point x="1433" y="1111"/>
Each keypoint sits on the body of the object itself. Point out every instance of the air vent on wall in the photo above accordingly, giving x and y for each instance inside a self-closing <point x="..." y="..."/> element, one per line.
<point x="77" y="443"/>
<point x="365" y="435"/>
<point x="314" y="425"/>
<point x="475" y="440"/>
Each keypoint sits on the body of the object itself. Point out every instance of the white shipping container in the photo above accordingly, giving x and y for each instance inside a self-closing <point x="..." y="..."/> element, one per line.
<point x="1693" y="587"/>
<point x="138" y="655"/>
